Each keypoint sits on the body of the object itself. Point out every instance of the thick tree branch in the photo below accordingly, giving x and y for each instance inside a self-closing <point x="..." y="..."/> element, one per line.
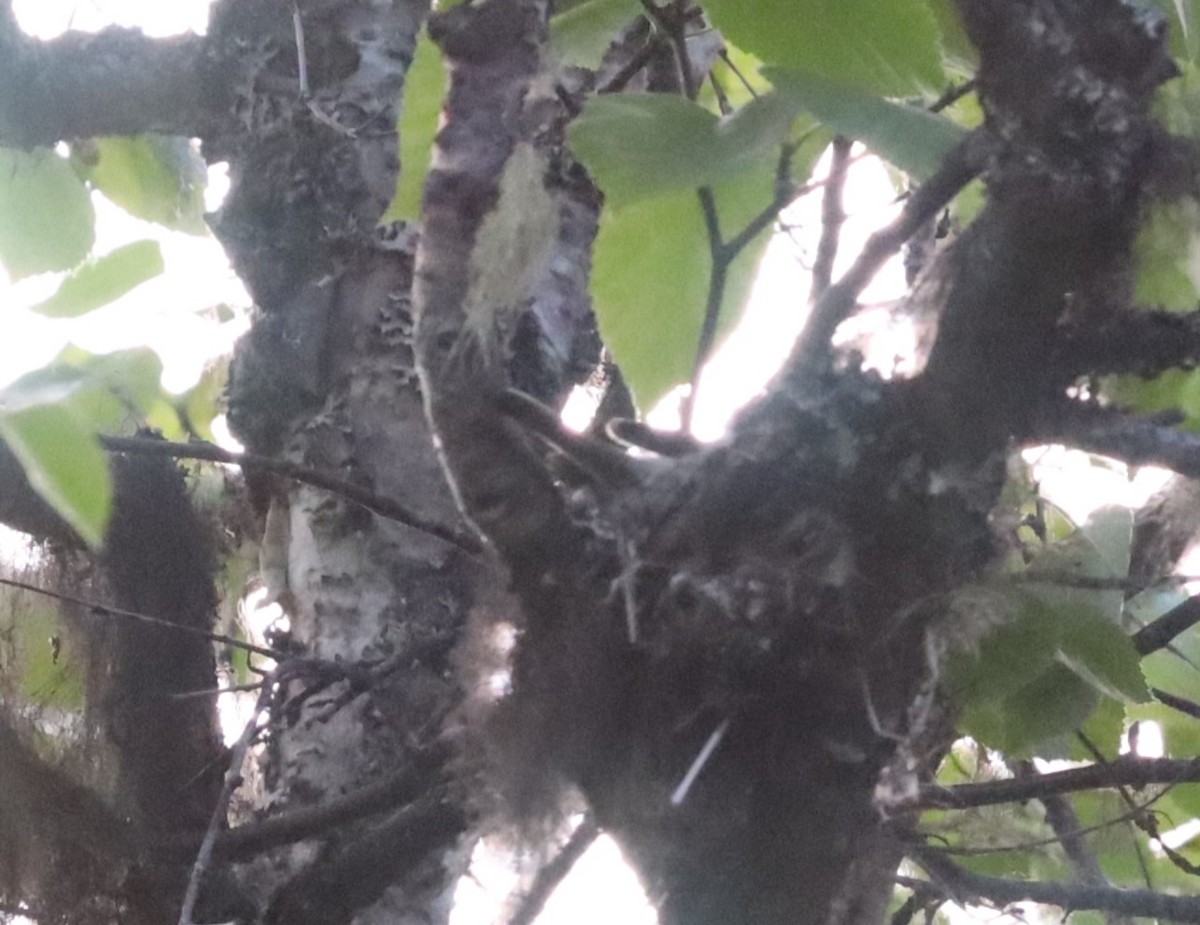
<point x="1139" y="342"/>
<point x="966" y="886"/>
<point x="1117" y="434"/>
<point x="488" y="225"/>
<point x="115" y="82"/>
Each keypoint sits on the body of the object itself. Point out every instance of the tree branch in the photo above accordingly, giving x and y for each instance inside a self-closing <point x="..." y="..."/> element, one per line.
<point x="1158" y="633"/>
<point x="965" y="886"/>
<point x="833" y="216"/>
<point x="552" y="873"/>
<point x="105" y="610"/>
<point x="1139" y="342"/>
<point x="1117" y="434"/>
<point x="115" y="82"/>
<point x="1125" y="771"/>
<point x="960" y="166"/>
<point x="384" y="507"/>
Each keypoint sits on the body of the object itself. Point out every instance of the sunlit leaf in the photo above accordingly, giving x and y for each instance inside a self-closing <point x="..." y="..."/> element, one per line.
<point x="581" y="35"/>
<point x="63" y="462"/>
<point x="651" y="275"/>
<point x="103" y="280"/>
<point x="157" y="178"/>
<point x="645" y="144"/>
<point x="912" y="138"/>
<point x="46" y="215"/>
<point x="738" y="73"/>
<point x="424" y="90"/>
<point x="49" y="677"/>
<point x="887" y="46"/>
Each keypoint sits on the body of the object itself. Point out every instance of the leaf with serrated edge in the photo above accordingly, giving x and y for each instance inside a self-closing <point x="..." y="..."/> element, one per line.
<point x="46" y="215"/>
<point x="103" y="280"/>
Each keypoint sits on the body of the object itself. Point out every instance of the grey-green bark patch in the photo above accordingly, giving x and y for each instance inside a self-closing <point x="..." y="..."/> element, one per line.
<point x="513" y="243"/>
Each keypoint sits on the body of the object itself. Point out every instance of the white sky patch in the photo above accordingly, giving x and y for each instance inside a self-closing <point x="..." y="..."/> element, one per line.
<point x="1079" y="482"/>
<point x="778" y="304"/>
<point x="46" y="19"/>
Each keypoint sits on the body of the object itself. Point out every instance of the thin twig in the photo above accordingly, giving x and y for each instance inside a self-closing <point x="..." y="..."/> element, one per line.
<point x="1064" y="822"/>
<point x="385" y="507"/>
<point x="963" y="885"/>
<point x="718" y="274"/>
<point x="962" y="164"/>
<point x="952" y="95"/>
<point x="1125" y="771"/>
<point x="552" y="874"/>
<point x="723" y="54"/>
<point x="233" y="778"/>
<point x="674" y="26"/>
<point x="104" y="610"/>
<point x="293" y="825"/>
<point x="833" y="217"/>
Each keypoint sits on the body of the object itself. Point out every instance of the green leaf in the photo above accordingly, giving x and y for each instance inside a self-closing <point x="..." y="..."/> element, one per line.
<point x="1010" y="657"/>
<point x="133" y="377"/>
<point x="1184" y="40"/>
<point x="1100" y="653"/>
<point x="1166" y="268"/>
<point x="63" y="462"/>
<point x="581" y="35"/>
<point x="959" y="51"/>
<point x="912" y="138"/>
<point x="104" y="280"/>
<point x="158" y="178"/>
<point x="738" y="74"/>
<point x="46" y="215"/>
<point x="1053" y="704"/>
<point x="49" y="677"/>
<point x="651" y="274"/>
<point x="424" y="91"/>
<point x="886" y="46"/>
<point x="639" y="145"/>
<point x="1174" y="390"/>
